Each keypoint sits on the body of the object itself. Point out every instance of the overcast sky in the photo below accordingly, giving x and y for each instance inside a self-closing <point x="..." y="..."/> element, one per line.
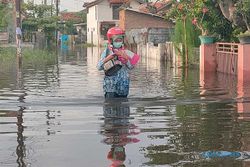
<point x="72" y="5"/>
<point x="69" y="5"/>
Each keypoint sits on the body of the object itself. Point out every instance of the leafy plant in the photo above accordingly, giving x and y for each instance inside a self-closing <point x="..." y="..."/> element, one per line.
<point x="40" y="17"/>
<point x="245" y="34"/>
<point x="5" y="16"/>
<point x="243" y="9"/>
<point x="195" y="9"/>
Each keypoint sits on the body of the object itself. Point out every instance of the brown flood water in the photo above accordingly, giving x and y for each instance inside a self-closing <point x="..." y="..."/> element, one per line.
<point x="54" y="115"/>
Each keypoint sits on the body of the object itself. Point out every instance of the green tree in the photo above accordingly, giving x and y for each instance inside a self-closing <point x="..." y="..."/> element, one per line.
<point x="206" y="16"/>
<point x="40" y="17"/>
<point x="5" y="16"/>
<point x="243" y="9"/>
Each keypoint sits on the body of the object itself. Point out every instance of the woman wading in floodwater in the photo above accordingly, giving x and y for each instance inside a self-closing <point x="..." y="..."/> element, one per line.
<point x="116" y="61"/>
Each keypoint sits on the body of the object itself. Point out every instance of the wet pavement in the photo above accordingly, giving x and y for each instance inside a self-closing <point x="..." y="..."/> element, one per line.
<point x="53" y="114"/>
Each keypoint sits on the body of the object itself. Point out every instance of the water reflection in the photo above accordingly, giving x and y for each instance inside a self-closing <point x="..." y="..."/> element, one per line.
<point x="180" y="116"/>
<point x="117" y="129"/>
<point x="20" y="150"/>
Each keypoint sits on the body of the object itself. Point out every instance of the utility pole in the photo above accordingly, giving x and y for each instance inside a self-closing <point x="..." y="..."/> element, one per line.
<point x="57" y="13"/>
<point x="57" y="7"/>
<point x="18" y="12"/>
<point x="18" y="21"/>
<point x="51" y="9"/>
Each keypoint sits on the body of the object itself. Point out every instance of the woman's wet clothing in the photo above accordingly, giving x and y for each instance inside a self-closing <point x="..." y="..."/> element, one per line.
<point x="118" y="84"/>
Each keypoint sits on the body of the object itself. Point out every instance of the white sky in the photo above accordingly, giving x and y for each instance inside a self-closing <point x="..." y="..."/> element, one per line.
<point x="69" y="5"/>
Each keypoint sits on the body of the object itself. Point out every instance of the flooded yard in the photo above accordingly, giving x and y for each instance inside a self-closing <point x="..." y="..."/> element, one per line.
<point x="53" y="114"/>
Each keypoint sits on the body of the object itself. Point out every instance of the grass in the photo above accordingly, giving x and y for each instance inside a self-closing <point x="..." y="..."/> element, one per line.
<point x="30" y="57"/>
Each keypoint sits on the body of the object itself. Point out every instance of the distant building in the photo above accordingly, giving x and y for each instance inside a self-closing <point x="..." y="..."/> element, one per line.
<point x="103" y="14"/>
<point x="70" y="16"/>
<point x="144" y="27"/>
<point x="160" y="8"/>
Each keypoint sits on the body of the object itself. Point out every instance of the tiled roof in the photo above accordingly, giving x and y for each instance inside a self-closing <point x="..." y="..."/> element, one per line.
<point x="69" y="16"/>
<point x="153" y="7"/>
<point x="118" y="1"/>
<point x="89" y="4"/>
<point x="5" y="1"/>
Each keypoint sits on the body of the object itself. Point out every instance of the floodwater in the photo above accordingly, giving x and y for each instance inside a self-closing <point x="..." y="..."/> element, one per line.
<point x="54" y="115"/>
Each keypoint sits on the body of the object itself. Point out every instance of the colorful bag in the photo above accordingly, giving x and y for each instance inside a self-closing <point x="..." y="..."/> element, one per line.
<point x="111" y="67"/>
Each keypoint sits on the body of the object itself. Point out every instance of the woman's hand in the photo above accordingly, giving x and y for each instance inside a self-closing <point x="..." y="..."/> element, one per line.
<point x="121" y="53"/>
<point x="109" y="57"/>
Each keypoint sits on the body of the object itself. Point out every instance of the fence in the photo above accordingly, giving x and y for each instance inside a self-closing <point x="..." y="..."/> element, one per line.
<point x="4" y="37"/>
<point x="227" y="58"/>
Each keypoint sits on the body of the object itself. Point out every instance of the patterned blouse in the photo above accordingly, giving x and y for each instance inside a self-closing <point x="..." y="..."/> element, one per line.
<point x="118" y="83"/>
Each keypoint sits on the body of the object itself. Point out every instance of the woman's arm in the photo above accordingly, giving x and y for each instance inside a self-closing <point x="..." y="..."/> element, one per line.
<point x="104" y="58"/>
<point x="123" y="54"/>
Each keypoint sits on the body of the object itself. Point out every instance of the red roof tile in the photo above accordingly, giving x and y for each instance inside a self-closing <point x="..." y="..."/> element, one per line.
<point x="118" y="1"/>
<point x="70" y="16"/>
<point x="5" y="1"/>
<point x="154" y="5"/>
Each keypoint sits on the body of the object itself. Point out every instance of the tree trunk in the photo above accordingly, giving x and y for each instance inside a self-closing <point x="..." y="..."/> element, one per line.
<point x="227" y="9"/>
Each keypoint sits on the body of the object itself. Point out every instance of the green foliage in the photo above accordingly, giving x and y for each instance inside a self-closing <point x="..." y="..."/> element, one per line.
<point x="5" y="16"/>
<point x="69" y="28"/>
<point x="245" y="34"/>
<point x="205" y="15"/>
<point x="36" y="57"/>
<point x="83" y="16"/>
<point x="191" y="39"/>
<point x="30" y="57"/>
<point x="7" y="55"/>
<point x="38" y="11"/>
<point x="243" y="9"/>
<point x="2" y="11"/>
<point x="40" y="17"/>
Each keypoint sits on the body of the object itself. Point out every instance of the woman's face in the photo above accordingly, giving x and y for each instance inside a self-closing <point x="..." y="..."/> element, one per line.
<point x="118" y="41"/>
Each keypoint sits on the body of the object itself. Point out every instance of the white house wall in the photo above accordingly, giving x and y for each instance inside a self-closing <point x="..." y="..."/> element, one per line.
<point x="92" y="25"/>
<point x="104" y="11"/>
<point x="97" y="14"/>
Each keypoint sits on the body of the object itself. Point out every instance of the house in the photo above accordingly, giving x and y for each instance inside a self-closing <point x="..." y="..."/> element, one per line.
<point x="103" y="14"/>
<point x="159" y="7"/>
<point x="70" y="16"/>
<point x="144" y="27"/>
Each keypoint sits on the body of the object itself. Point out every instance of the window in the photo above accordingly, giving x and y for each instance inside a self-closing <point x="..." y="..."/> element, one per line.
<point x="104" y="29"/>
<point x="115" y="9"/>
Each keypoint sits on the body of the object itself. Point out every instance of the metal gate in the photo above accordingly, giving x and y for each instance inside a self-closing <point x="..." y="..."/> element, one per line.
<point x="227" y="57"/>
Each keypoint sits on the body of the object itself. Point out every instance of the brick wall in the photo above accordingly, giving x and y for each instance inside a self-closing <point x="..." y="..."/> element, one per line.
<point x="130" y="19"/>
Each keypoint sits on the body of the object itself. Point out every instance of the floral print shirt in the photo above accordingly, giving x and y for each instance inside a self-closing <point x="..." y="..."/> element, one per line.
<point x="118" y="83"/>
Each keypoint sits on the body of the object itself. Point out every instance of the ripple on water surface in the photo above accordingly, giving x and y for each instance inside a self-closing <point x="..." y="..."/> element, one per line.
<point x="55" y="115"/>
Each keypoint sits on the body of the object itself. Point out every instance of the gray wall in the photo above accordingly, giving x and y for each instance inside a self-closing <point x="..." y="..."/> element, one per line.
<point x="152" y="35"/>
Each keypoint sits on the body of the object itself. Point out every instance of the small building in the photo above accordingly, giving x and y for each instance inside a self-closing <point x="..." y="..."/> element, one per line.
<point x="145" y="27"/>
<point x="103" y="14"/>
<point x="70" y="16"/>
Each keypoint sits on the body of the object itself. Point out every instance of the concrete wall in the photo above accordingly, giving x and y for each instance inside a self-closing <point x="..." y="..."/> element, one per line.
<point x="153" y="35"/>
<point x="130" y="19"/>
<point x="162" y="52"/>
